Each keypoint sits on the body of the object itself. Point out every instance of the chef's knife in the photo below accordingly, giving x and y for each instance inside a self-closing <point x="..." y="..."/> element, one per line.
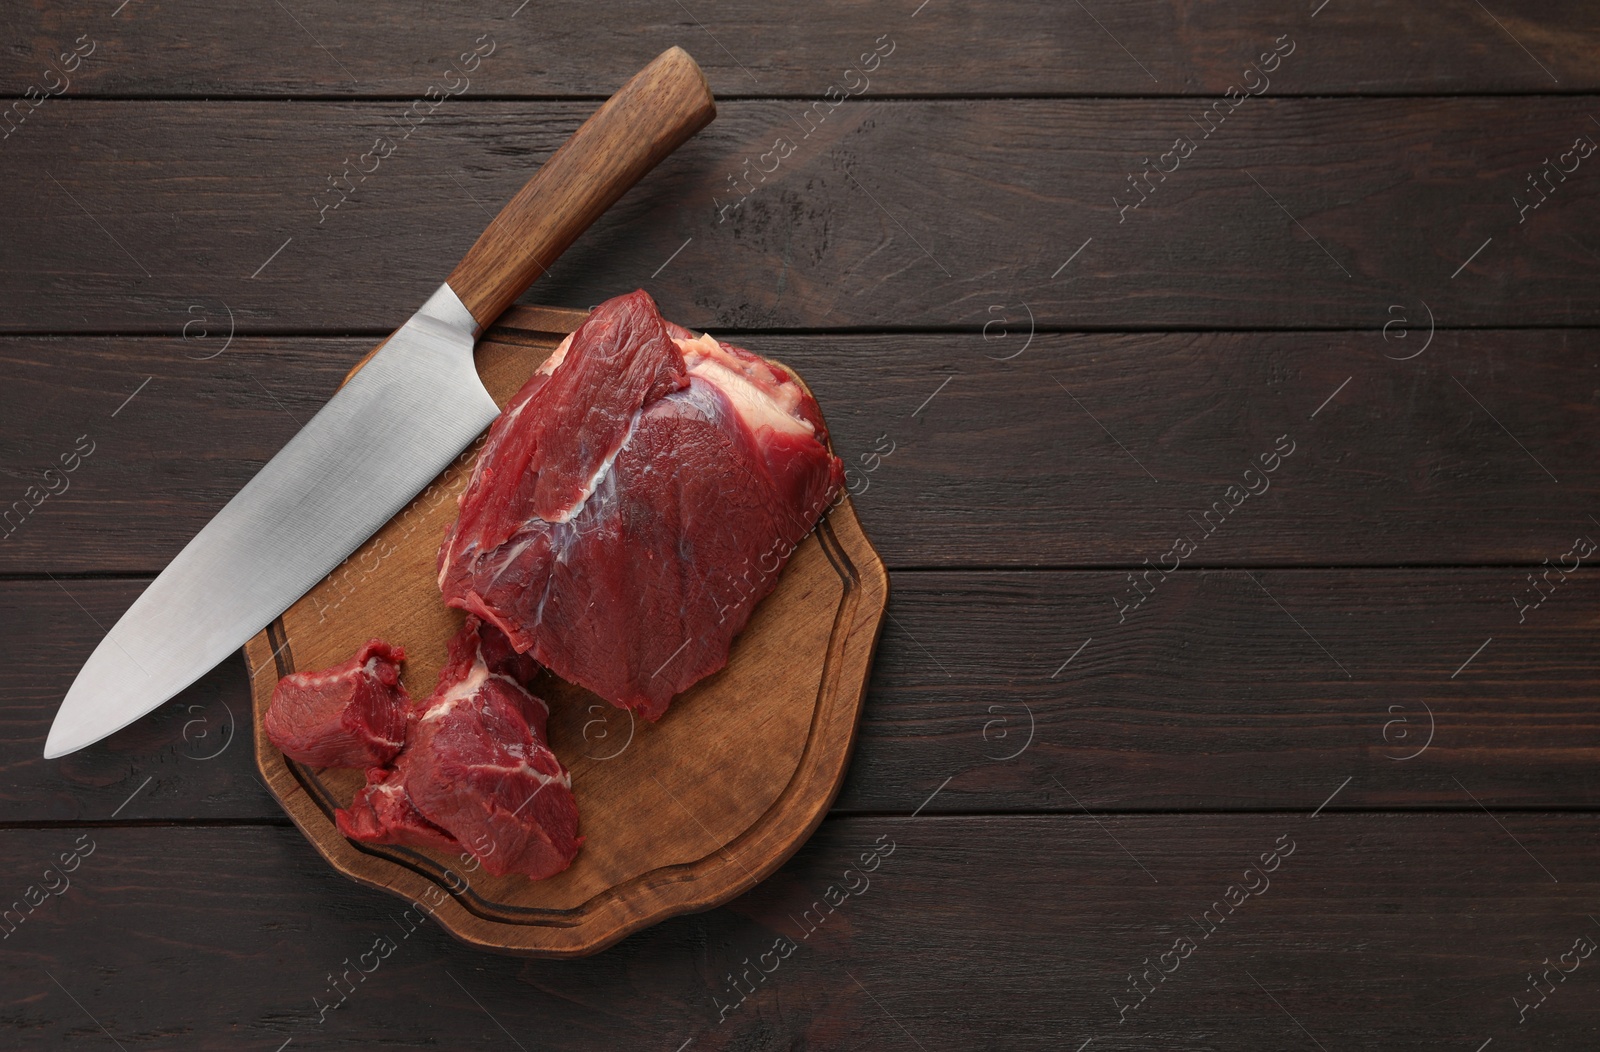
<point x="387" y="433"/>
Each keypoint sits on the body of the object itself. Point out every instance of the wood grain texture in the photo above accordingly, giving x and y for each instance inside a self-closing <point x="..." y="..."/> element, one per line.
<point x="1378" y="201"/>
<point x="1209" y="696"/>
<point x="753" y="755"/>
<point x="1234" y="690"/>
<point x="1378" y="931"/>
<point x="651" y="115"/>
<point x="1000" y="47"/>
<point x="1407" y="465"/>
<point x="953" y="200"/>
<point x="189" y="759"/>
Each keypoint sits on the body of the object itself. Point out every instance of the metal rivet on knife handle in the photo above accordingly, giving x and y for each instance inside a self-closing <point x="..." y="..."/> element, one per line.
<point x="652" y="115"/>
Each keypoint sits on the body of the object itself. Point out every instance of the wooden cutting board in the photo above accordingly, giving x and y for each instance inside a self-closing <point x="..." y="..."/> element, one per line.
<point x="679" y="816"/>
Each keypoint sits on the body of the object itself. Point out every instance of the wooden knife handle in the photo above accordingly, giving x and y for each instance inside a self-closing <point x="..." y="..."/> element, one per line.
<point x="653" y="114"/>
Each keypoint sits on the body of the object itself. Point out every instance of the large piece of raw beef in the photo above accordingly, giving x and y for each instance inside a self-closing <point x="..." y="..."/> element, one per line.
<point x="476" y="773"/>
<point x="634" y="503"/>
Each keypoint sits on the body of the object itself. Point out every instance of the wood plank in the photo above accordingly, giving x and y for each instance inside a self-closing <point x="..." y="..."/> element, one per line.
<point x="1101" y="449"/>
<point x="1040" y="460"/>
<point x="1210" y="695"/>
<point x="190" y="759"/>
<point x="218" y="410"/>
<point x="1233" y="689"/>
<point x="1138" y="47"/>
<point x="892" y="213"/>
<point x="1406" y="932"/>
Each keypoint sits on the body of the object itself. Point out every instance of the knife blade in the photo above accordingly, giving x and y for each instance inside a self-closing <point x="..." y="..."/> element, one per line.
<point x="409" y="411"/>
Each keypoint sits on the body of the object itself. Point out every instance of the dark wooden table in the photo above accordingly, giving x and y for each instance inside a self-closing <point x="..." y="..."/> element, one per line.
<point x="1240" y="370"/>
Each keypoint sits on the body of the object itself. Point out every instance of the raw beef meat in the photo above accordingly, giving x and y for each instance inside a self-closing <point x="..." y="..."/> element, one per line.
<point x="382" y="813"/>
<point x="351" y="715"/>
<point x="634" y="503"/>
<point x="476" y="773"/>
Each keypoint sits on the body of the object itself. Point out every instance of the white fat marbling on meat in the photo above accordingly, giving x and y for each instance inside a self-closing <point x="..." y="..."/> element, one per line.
<point x="557" y="356"/>
<point x="470" y="686"/>
<point x="461" y="691"/>
<point x="758" y="402"/>
<point x="601" y="472"/>
<point x="511" y="553"/>
<point x="564" y="779"/>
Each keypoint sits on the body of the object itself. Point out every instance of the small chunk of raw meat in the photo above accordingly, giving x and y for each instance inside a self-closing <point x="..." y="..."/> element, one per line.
<point x="476" y="773"/>
<point x="351" y="715"/>
<point x="382" y="813"/>
<point x="635" y="501"/>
